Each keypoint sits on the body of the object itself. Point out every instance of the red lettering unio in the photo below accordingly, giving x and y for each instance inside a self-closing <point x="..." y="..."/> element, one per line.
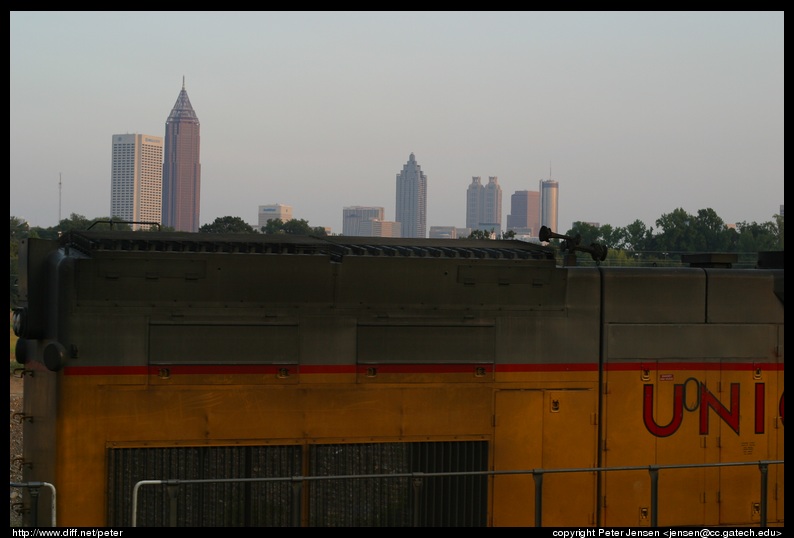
<point x="678" y="412"/>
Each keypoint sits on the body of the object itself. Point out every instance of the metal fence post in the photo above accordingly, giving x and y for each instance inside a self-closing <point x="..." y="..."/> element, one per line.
<point x="417" y="492"/>
<point x="764" y="468"/>
<point x="538" y="476"/>
<point x="654" y="470"/>
<point x="172" y="508"/>
<point x="34" y="505"/>
<point x="297" y="491"/>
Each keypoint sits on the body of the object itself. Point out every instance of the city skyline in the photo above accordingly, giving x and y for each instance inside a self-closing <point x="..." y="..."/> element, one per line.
<point x="635" y="113"/>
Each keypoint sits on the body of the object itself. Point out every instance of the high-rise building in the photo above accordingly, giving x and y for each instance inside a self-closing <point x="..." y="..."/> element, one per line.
<point x="549" y="202"/>
<point x="411" y="206"/>
<point x="484" y="205"/>
<point x="524" y="217"/>
<point x="136" y="179"/>
<point x="354" y="216"/>
<point x="492" y="207"/>
<point x="519" y="209"/>
<point x="533" y="212"/>
<point x="182" y="167"/>
<point x="474" y="200"/>
<point x="273" y="212"/>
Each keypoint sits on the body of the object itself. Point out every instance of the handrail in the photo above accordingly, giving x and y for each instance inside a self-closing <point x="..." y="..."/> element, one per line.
<point x="537" y="475"/>
<point x="34" y="492"/>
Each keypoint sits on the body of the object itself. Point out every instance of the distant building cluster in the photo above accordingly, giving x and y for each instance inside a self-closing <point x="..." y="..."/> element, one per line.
<point x="157" y="180"/>
<point x="529" y="210"/>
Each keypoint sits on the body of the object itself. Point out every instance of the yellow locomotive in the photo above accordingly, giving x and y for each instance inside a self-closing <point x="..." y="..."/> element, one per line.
<point x="276" y="380"/>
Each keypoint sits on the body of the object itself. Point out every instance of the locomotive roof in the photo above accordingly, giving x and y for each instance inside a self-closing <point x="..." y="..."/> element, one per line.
<point x="90" y="242"/>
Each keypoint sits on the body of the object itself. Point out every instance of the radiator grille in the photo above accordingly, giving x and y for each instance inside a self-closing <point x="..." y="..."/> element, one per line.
<point x="378" y="501"/>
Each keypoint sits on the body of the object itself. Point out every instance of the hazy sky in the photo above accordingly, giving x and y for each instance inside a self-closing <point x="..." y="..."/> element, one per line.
<point x="635" y="114"/>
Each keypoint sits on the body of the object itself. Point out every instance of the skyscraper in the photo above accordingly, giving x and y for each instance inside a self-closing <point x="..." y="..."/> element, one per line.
<point x="549" y="200"/>
<point x="136" y="178"/>
<point x="484" y="205"/>
<point x="533" y="211"/>
<point x="474" y="200"/>
<point x="524" y="217"/>
<point x="411" y="206"/>
<point x="182" y="167"/>
<point x="491" y="218"/>
<point x="519" y="208"/>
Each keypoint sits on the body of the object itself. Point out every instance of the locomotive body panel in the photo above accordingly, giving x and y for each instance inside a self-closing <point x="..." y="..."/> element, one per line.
<point x="162" y="356"/>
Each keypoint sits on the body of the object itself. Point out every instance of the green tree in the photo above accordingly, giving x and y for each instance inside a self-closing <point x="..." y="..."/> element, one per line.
<point x="682" y="232"/>
<point x="298" y="227"/>
<point x="612" y="238"/>
<point x="587" y="233"/>
<point x="19" y="229"/>
<point x="227" y="225"/>
<point x="710" y="232"/>
<point x="292" y="227"/>
<point x="480" y="234"/>
<point x="677" y="231"/>
<point x="619" y="257"/>
<point x="74" y="222"/>
<point x="778" y="227"/>
<point x="273" y="226"/>
<point x="44" y="233"/>
<point x="754" y="237"/>
<point x="637" y="236"/>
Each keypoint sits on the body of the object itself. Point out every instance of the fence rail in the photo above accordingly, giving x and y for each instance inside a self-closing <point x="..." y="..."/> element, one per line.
<point x="417" y="479"/>
<point x="34" y="488"/>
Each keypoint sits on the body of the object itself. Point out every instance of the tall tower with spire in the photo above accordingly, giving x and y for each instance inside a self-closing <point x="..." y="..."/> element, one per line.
<point x="182" y="167"/>
<point x="411" y="206"/>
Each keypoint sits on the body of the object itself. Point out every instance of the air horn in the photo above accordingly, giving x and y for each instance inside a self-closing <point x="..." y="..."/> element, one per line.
<point x="596" y="251"/>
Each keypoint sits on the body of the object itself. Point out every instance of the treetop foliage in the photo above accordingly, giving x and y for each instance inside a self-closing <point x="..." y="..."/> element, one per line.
<point x="679" y="231"/>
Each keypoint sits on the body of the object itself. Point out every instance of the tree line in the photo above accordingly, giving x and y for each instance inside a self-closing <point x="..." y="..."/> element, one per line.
<point x="680" y="231"/>
<point x="676" y="233"/>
